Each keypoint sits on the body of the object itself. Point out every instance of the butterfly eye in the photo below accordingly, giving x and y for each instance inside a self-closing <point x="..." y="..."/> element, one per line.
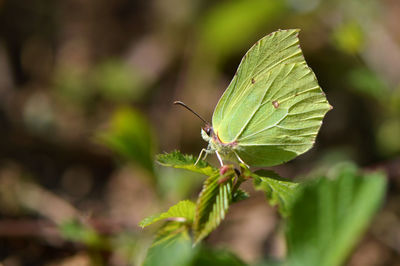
<point x="208" y="131"/>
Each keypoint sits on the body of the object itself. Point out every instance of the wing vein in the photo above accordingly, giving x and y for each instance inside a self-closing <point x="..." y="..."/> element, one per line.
<point x="266" y="128"/>
<point x="255" y="110"/>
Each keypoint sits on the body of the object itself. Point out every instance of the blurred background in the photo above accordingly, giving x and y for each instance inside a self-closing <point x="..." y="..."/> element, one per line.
<point x="86" y="92"/>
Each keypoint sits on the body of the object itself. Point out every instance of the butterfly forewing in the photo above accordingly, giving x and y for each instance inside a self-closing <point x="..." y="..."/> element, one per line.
<point x="241" y="96"/>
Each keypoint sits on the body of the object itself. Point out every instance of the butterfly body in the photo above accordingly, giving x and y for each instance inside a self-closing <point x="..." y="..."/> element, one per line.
<point x="215" y="144"/>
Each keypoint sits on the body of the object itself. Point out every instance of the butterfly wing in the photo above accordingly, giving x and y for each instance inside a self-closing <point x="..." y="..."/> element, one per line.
<point x="286" y="122"/>
<point x="273" y="107"/>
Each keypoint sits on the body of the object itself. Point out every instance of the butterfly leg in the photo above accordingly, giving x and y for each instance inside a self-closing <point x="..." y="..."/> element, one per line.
<point x="200" y="155"/>
<point x="219" y="158"/>
<point x="240" y="159"/>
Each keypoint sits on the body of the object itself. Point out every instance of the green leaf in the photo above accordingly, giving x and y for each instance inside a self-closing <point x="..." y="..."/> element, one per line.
<point x="75" y="231"/>
<point x="172" y="246"/>
<point x="178" y="160"/>
<point x="177" y="184"/>
<point x="368" y="83"/>
<point x="117" y="81"/>
<point x="182" y="212"/>
<point x="240" y="195"/>
<point x="278" y="191"/>
<point x="388" y="136"/>
<point x="171" y="231"/>
<point x="212" y="204"/>
<point x="130" y="136"/>
<point x="206" y="256"/>
<point x="330" y="214"/>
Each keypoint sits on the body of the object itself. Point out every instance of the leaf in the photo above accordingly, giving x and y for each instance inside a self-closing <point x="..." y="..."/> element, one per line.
<point x="240" y="195"/>
<point x="172" y="246"/>
<point x="330" y="214"/>
<point x="369" y="83"/>
<point x="182" y="212"/>
<point x="171" y="231"/>
<point x="75" y="231"/>
<point x="176" y="184"/>
<point x="207" y="256"/>
<point x="130" y="136"/>
<point x="178" y="160"/>
<point x="118" y="81"/>
<point x="212" y="204"/>
<point x="278" y="191"/>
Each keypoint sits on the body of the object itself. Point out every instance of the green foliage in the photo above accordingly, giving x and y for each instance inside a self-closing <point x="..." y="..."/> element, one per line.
<point x="218" y="193"/>
<point x="130" y="136"/>
<point x="212" y="204"/>
<point x="172" y="246"/>
<point x="170" y="232"/>
<point x="117" y="82"/>
<point x="181" y="253"/>
<point x="111" y="79"/>
<point x="206" y="257"/>
<point x="242" y="20"/>
<point x="368" y="83"/>
<point x="278" y="191"/>
<point x="330" y="214"/>
<point x="175" y="184"/>
<point x="178" y="160"/>
<point x="240" y="195"/>
<point x="182" y="212"/>
<point x="325" y="216"/>
<point x="81" y="233"/>
<point x="213" y="201"/>
<point x="388" y="136"/>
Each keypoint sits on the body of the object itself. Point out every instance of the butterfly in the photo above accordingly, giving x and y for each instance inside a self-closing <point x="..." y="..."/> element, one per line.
<point x="273" y="108"/>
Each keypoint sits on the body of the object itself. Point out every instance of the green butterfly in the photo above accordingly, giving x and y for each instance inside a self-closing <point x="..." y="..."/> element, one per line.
<point x="273" y="108"/>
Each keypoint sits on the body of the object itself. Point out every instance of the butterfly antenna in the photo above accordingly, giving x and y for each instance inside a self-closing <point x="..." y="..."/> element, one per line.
<point x="191" y="110"/>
